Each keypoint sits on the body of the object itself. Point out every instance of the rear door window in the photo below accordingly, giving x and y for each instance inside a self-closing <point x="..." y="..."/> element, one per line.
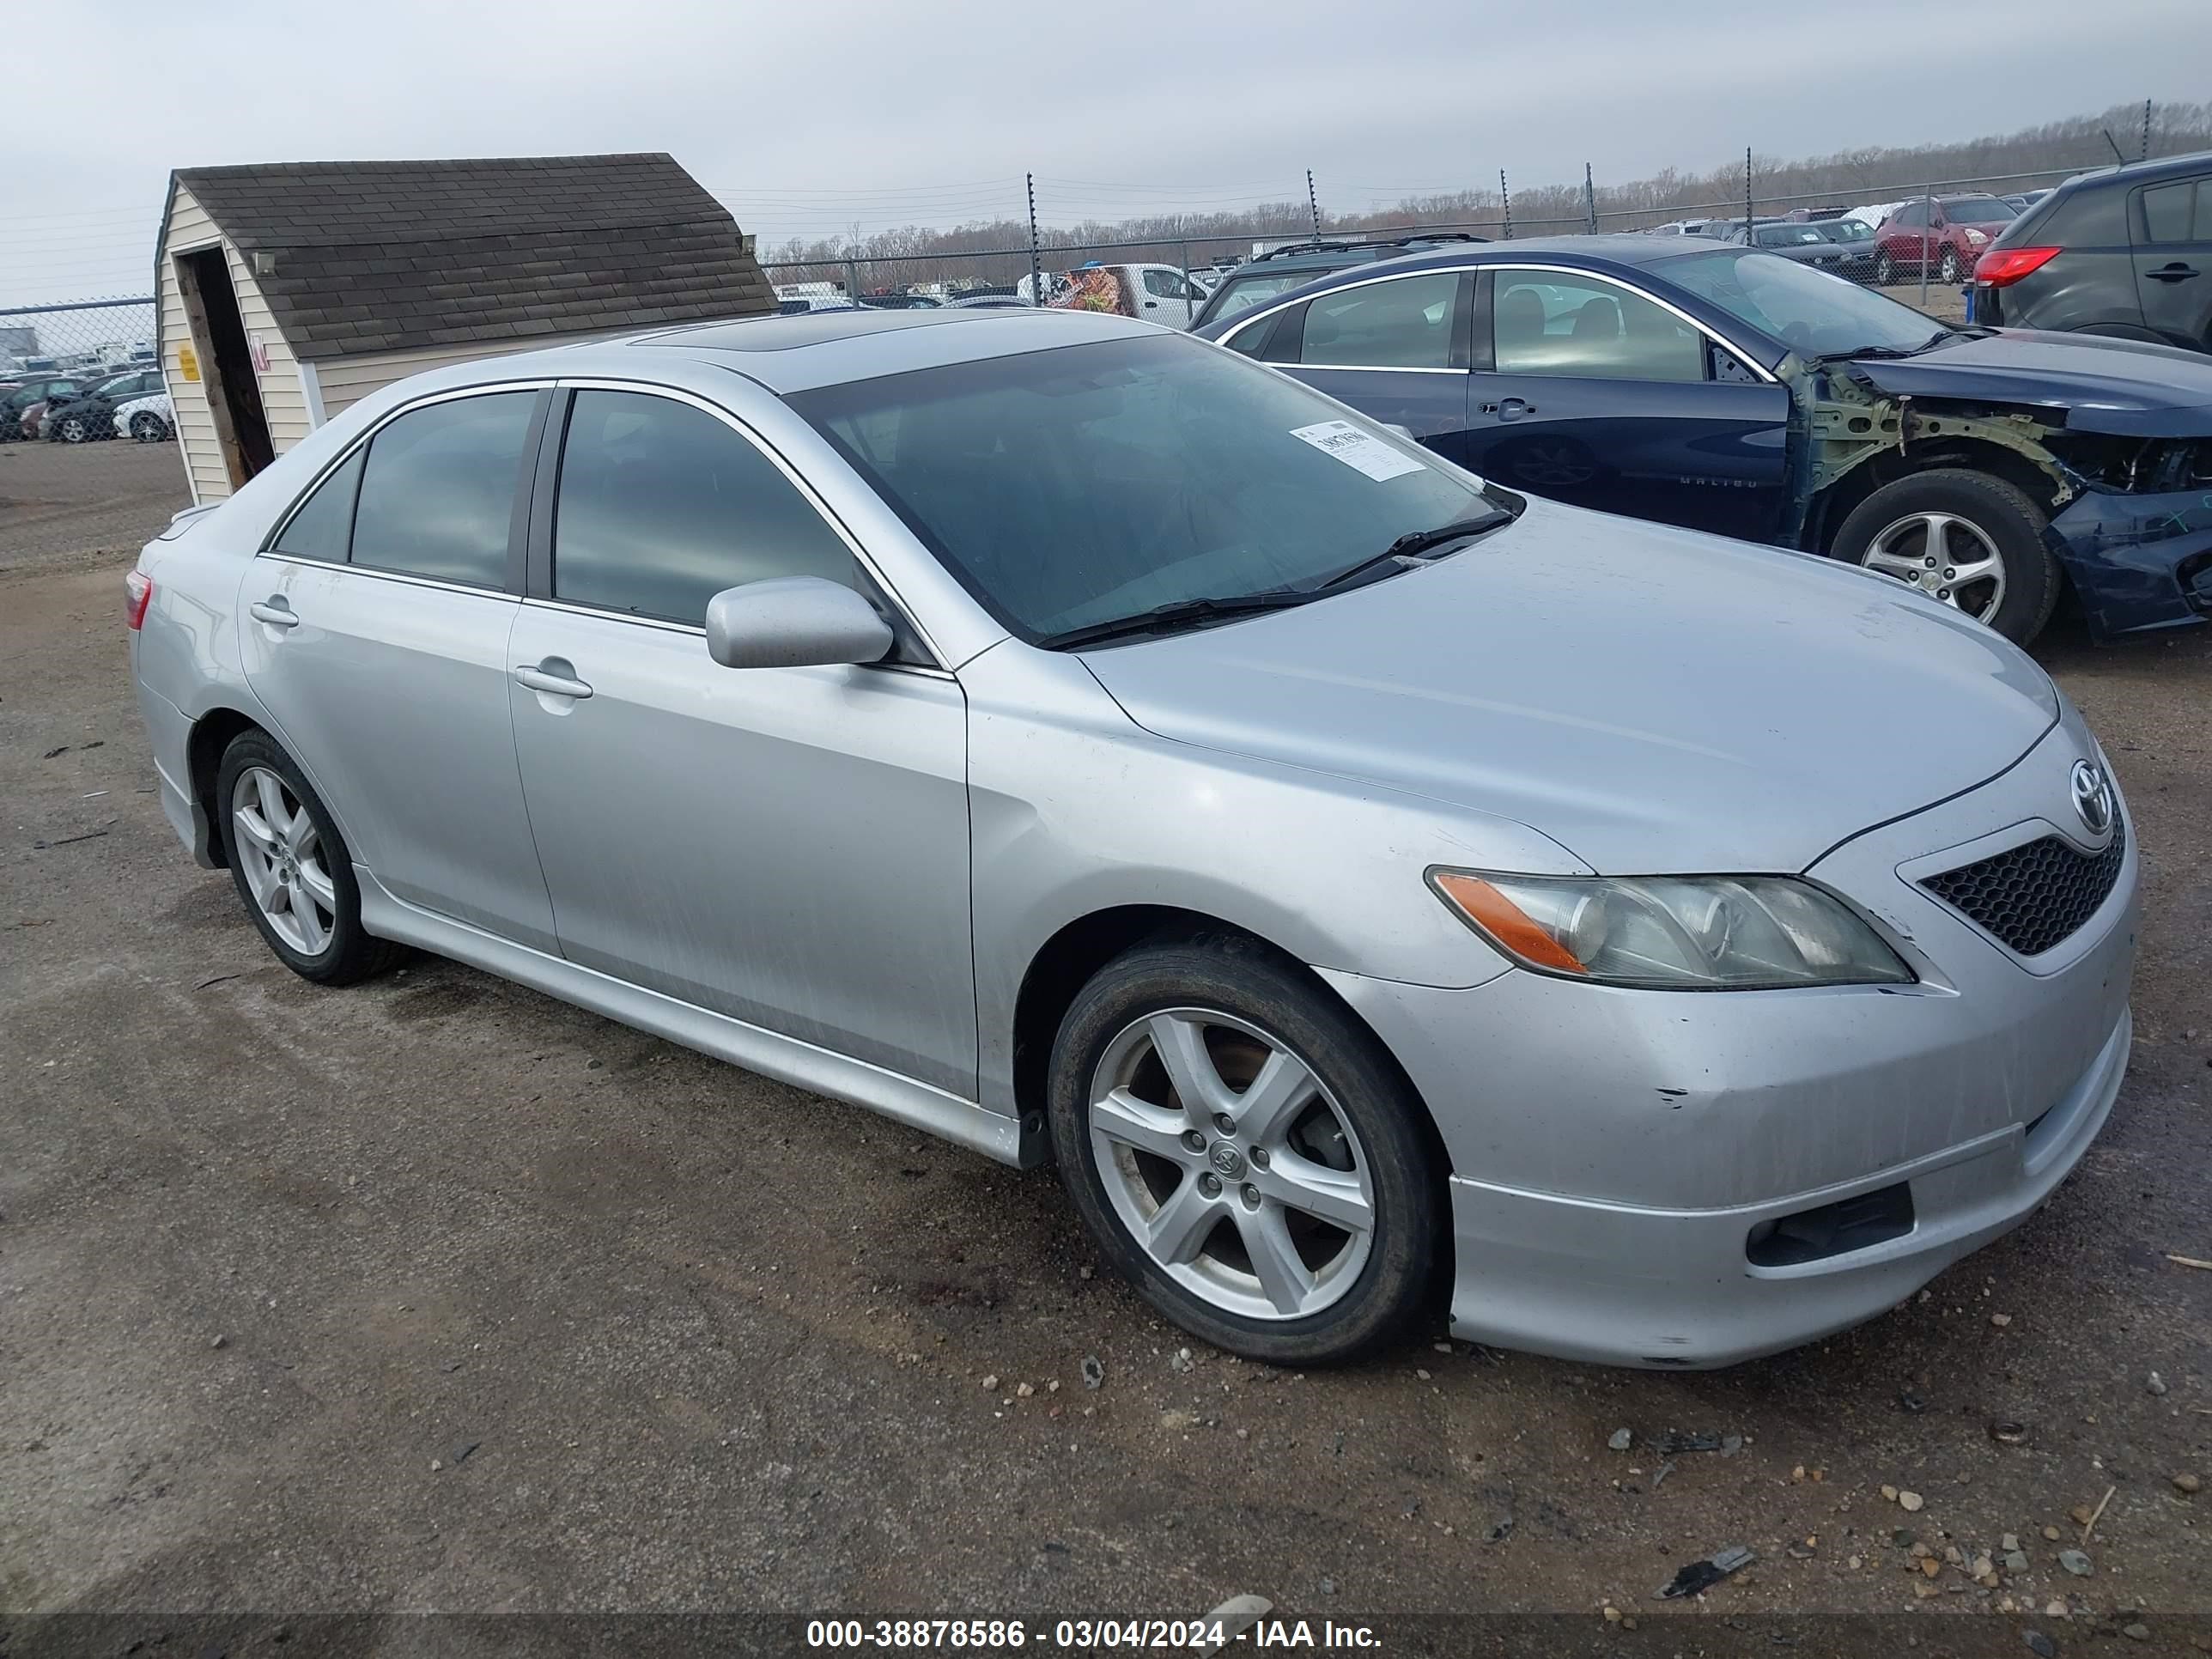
<point x="2179" y="212"/>
<point x="1405" y="323"/>
<point x="437" y="492"/>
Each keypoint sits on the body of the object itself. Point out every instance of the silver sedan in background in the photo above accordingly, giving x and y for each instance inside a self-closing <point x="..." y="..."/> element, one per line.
<point x="1378" y="893"/>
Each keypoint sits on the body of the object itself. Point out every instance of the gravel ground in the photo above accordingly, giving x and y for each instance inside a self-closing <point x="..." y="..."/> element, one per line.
<point x="64" y="504"/>
<point x="437" y="1294"/>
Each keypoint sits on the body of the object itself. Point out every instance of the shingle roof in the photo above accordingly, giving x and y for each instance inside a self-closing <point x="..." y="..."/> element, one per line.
<point x="387" y="256"/>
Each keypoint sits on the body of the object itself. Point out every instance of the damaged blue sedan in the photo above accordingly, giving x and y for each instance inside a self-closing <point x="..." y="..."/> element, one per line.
<point x="2000" y="472"/>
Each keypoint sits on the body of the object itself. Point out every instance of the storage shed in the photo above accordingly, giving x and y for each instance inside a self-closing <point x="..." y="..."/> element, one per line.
<point x="288" y="292"/>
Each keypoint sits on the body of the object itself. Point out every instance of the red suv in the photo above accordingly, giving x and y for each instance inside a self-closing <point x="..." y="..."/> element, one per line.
<point x="1947" y="232"/>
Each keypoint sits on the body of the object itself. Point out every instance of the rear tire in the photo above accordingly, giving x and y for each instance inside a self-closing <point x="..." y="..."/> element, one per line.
<point x="1889" y="531"/>
<point x="146" y="427"/>
<point x="1265" y="1270"/>
<point x="285" y="852"/>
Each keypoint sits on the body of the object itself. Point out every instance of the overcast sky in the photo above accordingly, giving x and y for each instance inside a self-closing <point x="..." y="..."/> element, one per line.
<point x="808" y="118"/>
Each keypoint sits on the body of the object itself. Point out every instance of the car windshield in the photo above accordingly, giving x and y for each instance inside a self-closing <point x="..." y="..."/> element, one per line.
<point x="1082" y="485"/>
<point x="1980" y="212"/>
<point x="1844" y="230"/>
<point x="1788" y="235"/>
<point x="1240" y="294"/>
<point x="1820" y="314"/>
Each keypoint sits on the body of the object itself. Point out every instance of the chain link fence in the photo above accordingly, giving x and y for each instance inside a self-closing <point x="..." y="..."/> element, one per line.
<point x="1919" y="239"/>
<point x="92" y="356"/>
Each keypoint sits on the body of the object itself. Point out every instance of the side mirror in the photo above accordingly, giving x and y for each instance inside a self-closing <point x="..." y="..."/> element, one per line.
<point x="794" y="621"/>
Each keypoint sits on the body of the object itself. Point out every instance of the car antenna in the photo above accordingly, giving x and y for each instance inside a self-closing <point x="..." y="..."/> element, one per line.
<point x="2115" y="143"/>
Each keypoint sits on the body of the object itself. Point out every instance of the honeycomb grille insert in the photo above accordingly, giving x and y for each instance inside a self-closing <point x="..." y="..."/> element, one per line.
<point x="2035" y="896"/>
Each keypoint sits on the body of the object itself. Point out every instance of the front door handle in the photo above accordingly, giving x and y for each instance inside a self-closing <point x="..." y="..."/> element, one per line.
<point x="1509" y="408"/>
<point x="275" y="611"/>
<point x="2176" y="272"/>
<point x="554" y="686"/>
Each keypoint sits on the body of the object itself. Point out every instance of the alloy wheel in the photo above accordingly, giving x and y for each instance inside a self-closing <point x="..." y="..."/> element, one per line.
<point x="1231" y="1163"/>
<point x="280" y="855"/>
<point x="1945" y="556"/>
<point x="1949" y="270"/>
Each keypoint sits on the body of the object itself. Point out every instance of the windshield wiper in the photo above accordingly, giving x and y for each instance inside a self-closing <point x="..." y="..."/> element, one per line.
<point x="1181" y="613"/>
<point x="1881" y="351"/>
<point x="1418" y="545"/>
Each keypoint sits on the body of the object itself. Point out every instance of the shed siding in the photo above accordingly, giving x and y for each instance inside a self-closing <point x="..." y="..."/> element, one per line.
<point x="346" y="381"/>
<point x="282" y="400"/>
<point x="188" y="227"/>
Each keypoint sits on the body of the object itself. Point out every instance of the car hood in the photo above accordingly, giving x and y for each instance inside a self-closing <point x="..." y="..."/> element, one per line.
<point x="1654" y="699"/>
<point x="2129" y="388"/>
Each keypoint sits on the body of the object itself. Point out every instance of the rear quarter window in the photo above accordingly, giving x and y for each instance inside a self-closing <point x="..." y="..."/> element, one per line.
<point x="2083" y="218"/>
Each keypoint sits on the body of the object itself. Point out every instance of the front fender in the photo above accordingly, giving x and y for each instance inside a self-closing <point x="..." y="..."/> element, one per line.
<point x="1074" y="809"/>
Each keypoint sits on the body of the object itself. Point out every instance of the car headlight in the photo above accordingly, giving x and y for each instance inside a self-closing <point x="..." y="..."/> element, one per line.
<point x="1674" y="932"/>
<point x="1976" y="238"/>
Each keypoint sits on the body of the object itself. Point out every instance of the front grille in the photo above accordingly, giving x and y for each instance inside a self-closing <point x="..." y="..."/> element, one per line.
<point x="2034" y="896"/>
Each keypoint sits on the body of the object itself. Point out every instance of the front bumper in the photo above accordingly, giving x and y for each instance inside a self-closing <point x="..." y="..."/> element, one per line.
<point x="1617" y="1156"/>
<point x="2137" y="561"/>
<point x="1651" y="1287"/>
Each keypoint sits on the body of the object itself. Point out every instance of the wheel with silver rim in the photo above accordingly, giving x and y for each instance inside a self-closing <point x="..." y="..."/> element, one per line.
<point x="1245" y="1151"/>
<point x="147" y="427"/>
<point x="1948" y="272"/>
<point x="1966" y="539"/>
<point x="1947" y="557"/>
<point x="291" y="865"/>
<point x="1231" y="1163"/>
<point x="280" y="853"/>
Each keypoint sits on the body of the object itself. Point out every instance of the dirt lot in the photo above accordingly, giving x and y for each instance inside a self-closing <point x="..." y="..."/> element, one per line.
<point x="63" y="501"/>
<point x="437" y="1294"/>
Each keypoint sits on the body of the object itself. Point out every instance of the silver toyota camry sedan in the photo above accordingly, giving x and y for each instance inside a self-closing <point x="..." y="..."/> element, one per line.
<point x="1378" y="893"/>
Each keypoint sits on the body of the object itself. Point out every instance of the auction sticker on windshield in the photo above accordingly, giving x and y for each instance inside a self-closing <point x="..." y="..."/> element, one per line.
<point x="1356" y="448"/>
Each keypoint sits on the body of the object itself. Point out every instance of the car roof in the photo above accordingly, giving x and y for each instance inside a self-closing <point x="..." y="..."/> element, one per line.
<point x="813" y="349"/>
<point x="2139" y="172"/>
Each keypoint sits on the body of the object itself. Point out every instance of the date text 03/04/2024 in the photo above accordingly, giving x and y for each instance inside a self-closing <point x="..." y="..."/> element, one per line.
<point x="1206" y="1635"/>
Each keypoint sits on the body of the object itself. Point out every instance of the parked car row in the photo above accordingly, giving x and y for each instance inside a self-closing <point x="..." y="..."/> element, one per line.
<point x="66" y="409"/>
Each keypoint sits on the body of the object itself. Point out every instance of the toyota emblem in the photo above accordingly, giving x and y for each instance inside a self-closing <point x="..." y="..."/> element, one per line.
<point x="2093" y="797"/>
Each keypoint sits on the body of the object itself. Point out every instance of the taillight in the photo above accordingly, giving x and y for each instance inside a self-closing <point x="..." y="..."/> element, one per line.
<point x="137" y="593"/>
<point x="2001" y="267"/>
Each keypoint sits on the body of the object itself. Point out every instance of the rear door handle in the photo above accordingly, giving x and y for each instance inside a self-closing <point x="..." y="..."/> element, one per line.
<point x="555" y="686"/>
<point x="274" y="611"/>
<point x="2173" y="273"/>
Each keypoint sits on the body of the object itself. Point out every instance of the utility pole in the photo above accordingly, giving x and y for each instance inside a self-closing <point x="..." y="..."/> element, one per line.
<point x="1505" y="196"/>
<point x="1313" y="201"/>
<point x="2145" y="156"/>
<point x="1589" y="199"/>
<point x="1037" y="262"/>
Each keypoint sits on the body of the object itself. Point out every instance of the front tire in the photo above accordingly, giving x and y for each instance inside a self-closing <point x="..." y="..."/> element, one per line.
<point x="1246" y="1153"/>
<point x="291" y="868"/>
<point x="1885" y="269"/>
<point x="1967" y="540"/>
<point x="1948" y="272"/>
